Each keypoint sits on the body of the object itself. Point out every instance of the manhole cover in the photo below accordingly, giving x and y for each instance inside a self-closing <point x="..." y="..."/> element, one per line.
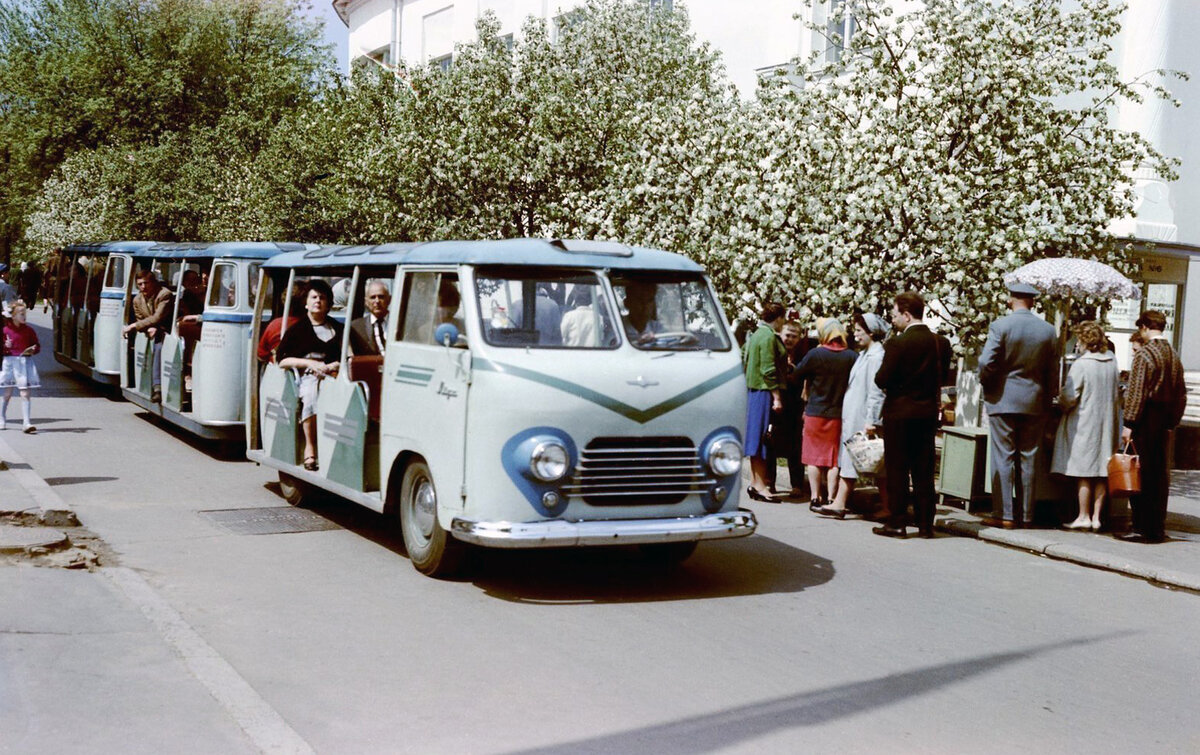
<point x="275" y="520"/>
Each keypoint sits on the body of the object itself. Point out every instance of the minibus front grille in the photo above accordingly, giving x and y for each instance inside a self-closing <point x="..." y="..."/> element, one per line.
<point x="638" y="472"/>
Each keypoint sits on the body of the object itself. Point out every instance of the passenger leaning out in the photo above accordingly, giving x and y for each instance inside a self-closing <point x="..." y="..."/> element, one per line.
<point x="313" y="347"/>
<point x="152" y="315"/>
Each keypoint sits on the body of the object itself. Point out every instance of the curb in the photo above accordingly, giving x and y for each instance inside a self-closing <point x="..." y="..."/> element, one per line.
<point x="1045" y="546"/>
<point x="54" y="511"/>
<point x="26" y="539"/>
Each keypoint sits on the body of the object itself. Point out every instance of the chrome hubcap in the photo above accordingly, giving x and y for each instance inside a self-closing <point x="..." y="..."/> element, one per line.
<point x="424" y="508"/>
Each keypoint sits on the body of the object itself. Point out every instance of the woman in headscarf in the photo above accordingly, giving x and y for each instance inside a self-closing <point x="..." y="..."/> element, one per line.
<point x="826" y="370"/>
<point x="861" y="405"/>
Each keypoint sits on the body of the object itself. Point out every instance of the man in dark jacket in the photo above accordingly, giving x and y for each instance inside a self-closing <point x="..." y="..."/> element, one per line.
<point x="31" y="283"/>
<point x="914" y="364"/>
<point x="1018" y="372"/>
<point x="1154" y="403"/>
<point x="369" y="333"/>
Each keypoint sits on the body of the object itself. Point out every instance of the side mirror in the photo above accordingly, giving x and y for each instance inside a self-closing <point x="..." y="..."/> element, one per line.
<point x="446" y="334"/>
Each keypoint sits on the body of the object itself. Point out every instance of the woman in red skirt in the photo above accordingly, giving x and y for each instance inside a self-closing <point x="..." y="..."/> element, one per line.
<point x="826" y="372"/>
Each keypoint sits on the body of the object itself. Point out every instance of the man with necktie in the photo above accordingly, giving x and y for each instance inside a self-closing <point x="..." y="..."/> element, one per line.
<point x="369" y="333"/>
<point x="915" y="363"/>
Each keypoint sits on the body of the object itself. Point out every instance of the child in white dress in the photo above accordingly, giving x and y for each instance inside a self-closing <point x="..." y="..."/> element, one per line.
<point x="18" y="370"/>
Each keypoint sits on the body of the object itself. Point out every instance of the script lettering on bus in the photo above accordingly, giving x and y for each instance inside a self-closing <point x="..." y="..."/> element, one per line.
<point x="447" y="392"/>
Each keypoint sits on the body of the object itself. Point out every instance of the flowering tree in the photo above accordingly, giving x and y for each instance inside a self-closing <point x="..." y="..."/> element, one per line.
<point x="971" y="136"/>
<point x="948" y="145"/>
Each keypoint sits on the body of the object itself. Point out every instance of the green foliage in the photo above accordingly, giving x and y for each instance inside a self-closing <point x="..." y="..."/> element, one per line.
<point x="948" y="145"/>
<point x="504" y="143"/>
<point x="145" y="78"/>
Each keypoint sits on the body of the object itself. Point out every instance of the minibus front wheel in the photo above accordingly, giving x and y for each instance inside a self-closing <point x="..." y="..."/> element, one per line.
<point x="430" y="548"/>
<point x="292" y="490"/>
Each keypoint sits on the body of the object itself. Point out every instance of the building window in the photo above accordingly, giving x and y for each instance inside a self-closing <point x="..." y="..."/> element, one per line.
<point x="666" y="5"/>
<point x="442" y="61"/>
<point x="507" y="39"/>
<point x="564" y="22"/>
<point x="437" y="35"/>
<point x="1122" y="316"/>
<point x="839" y="28"/>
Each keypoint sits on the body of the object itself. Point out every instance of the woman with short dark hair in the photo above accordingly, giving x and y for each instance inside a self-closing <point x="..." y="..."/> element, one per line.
<point x="313" y="347"/>
<point x="765" y="364"/>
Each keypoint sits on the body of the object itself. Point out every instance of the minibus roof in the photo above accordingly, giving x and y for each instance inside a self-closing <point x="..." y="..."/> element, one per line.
<point x="258" y="250"/>
<point x="108" y="247"/>
<point x="536" y="252"/>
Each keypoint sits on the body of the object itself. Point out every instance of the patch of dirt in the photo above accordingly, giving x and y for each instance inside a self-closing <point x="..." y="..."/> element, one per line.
<point x="82" y="550"/>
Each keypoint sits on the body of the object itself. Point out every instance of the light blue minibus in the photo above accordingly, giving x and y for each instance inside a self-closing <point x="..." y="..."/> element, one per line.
<point x="529" y="393"/>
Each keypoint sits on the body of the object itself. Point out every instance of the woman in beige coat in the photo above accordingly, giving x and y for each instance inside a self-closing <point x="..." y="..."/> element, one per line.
<point x="1088" y="433"/>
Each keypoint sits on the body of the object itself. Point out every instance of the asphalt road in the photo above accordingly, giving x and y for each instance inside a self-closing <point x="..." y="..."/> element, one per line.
<point x="812" y="635"/>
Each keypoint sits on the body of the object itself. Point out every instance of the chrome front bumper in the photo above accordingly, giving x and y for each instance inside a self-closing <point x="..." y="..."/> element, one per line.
<point x="555" y="533"/>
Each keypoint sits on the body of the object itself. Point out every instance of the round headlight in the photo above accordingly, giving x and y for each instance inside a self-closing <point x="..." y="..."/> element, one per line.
<point x="548" y="462"/>
<point x="725" y="457"/>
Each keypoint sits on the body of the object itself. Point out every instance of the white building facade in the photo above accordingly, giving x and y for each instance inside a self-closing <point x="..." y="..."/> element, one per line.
<point x="756" y="37"/>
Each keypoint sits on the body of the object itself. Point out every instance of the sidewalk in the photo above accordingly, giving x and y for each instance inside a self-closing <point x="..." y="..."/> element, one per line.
<point x="1175" y="563"/>
<point x="76" y="629"/>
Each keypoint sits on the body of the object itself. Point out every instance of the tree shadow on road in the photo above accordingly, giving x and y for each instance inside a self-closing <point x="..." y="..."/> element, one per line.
<point x="54" y="481"/>
<point x="729" y="728"/>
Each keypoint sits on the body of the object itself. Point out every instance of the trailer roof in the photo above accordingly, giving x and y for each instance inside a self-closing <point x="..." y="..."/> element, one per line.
<point x="536" y="252"/>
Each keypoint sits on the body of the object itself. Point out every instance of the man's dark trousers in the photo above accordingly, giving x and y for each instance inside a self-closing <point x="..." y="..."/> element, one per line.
<point x="908" y="449"/>
<point x="1150" y="438"/>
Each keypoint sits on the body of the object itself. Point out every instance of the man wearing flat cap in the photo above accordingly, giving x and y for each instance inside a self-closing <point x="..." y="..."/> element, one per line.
<point x="1019" y="375"/>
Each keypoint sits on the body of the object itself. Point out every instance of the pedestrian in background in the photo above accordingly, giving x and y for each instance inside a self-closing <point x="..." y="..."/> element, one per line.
<point x="1087" y="435"/>
<point x="1154" y="405"/>
<point x="914" y="365"/>
<point x="17" y="370"/>
<point x="765" y="364"/>
<point x="826" y="373"/>
<point x="8" y="294"/>
<point x="861" y="406"/>
<point x="30" y="283"/>
<point x="1018" y="372"/>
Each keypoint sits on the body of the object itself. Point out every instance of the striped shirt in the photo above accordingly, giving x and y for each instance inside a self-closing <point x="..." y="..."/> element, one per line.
<point x="1156" y="375"/>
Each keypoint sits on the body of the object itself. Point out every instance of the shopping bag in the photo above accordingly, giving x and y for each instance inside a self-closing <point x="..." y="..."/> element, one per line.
<point x="867" y="453"/>
<point x="1125" y="472"/>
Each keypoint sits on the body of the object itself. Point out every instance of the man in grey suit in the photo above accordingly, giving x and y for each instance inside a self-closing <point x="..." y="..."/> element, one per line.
<point x="1019" y="375"/>
<point x="368" y="334"/>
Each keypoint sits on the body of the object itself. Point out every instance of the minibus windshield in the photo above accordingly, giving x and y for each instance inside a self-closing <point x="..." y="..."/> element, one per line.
<point x="669" y="311"/>
<point x="553" y="309"/>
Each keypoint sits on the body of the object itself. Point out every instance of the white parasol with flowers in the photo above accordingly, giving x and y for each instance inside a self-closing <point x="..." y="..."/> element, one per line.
<point x="1070" y="278"/>
<point x="1067" y="278"/>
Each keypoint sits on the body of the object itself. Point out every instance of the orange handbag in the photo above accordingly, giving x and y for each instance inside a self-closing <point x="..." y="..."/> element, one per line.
<point x="1125" y="472"/>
